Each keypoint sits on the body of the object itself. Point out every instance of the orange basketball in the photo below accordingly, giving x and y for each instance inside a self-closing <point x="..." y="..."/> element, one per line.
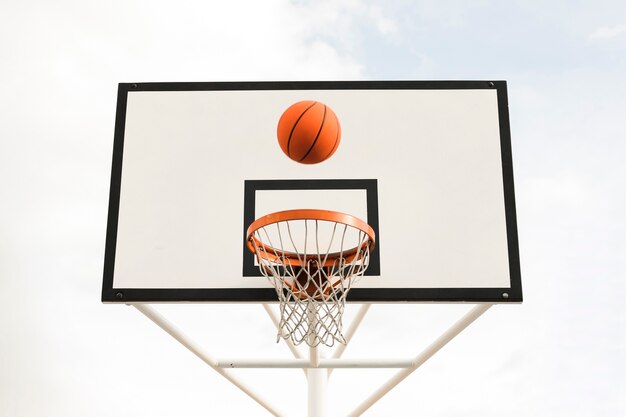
<point x="309" y="132"/>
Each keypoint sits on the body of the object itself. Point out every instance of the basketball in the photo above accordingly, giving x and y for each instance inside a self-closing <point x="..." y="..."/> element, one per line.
<point x="309" y="132"/>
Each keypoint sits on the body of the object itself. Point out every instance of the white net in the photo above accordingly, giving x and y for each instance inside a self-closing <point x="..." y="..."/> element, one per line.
<point x="312" y="284"/>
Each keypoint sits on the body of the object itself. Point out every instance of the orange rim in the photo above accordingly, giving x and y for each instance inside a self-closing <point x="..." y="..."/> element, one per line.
<point x="292" y="258"/>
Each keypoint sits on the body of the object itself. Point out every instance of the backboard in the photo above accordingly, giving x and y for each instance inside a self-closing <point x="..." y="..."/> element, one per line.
<point x="427" y="164"/>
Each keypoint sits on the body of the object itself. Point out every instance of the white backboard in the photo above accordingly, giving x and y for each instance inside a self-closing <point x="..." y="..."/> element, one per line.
<point x="426" y="164"/>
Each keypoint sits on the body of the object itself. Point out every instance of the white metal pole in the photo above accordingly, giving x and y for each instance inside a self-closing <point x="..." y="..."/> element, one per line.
<point x="426" y="354"/>
<point x="177" y="334"/>
<point x="317" y="378"/>
<point x="359" y="363"/>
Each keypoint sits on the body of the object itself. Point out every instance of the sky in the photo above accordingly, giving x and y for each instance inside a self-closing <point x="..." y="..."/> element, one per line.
<point x="560" y="353"/>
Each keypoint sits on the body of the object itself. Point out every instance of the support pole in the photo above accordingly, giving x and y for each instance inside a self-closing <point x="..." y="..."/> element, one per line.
<point x="317" y="378"/>
<point x="177" y="334"/>
<point x="426" y="354"/>
<point x="358" y="363"/>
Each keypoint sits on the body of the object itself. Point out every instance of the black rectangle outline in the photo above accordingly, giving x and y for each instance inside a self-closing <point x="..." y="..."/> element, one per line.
<point x="108" y="292"/>
<point x="510" y="294"/>
<point x="252" y="186"/>
<point x="314" y="85"/>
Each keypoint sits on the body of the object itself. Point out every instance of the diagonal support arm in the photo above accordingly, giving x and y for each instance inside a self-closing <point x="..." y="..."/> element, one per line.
<point x="177" y="334"/>
<point x="426" y="354"/>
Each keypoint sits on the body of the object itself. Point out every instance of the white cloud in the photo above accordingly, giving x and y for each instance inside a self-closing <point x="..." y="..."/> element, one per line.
<point x="384" y="24"/>
<point x="606" y="32"/>
<point x="193" y="41"/>
<point x="344" y="23"/>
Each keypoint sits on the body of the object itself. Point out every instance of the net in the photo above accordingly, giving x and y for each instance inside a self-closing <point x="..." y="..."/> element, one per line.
<point x="312" y="258"/>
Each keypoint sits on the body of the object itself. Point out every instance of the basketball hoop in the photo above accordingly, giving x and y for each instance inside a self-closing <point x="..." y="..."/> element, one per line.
<point x="312" y="257"/>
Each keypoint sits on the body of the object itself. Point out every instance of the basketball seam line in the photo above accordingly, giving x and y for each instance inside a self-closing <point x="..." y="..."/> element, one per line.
<point x="294" y="127"/>
<point x="316" y="137"/>
<point x="336" y="139"/>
